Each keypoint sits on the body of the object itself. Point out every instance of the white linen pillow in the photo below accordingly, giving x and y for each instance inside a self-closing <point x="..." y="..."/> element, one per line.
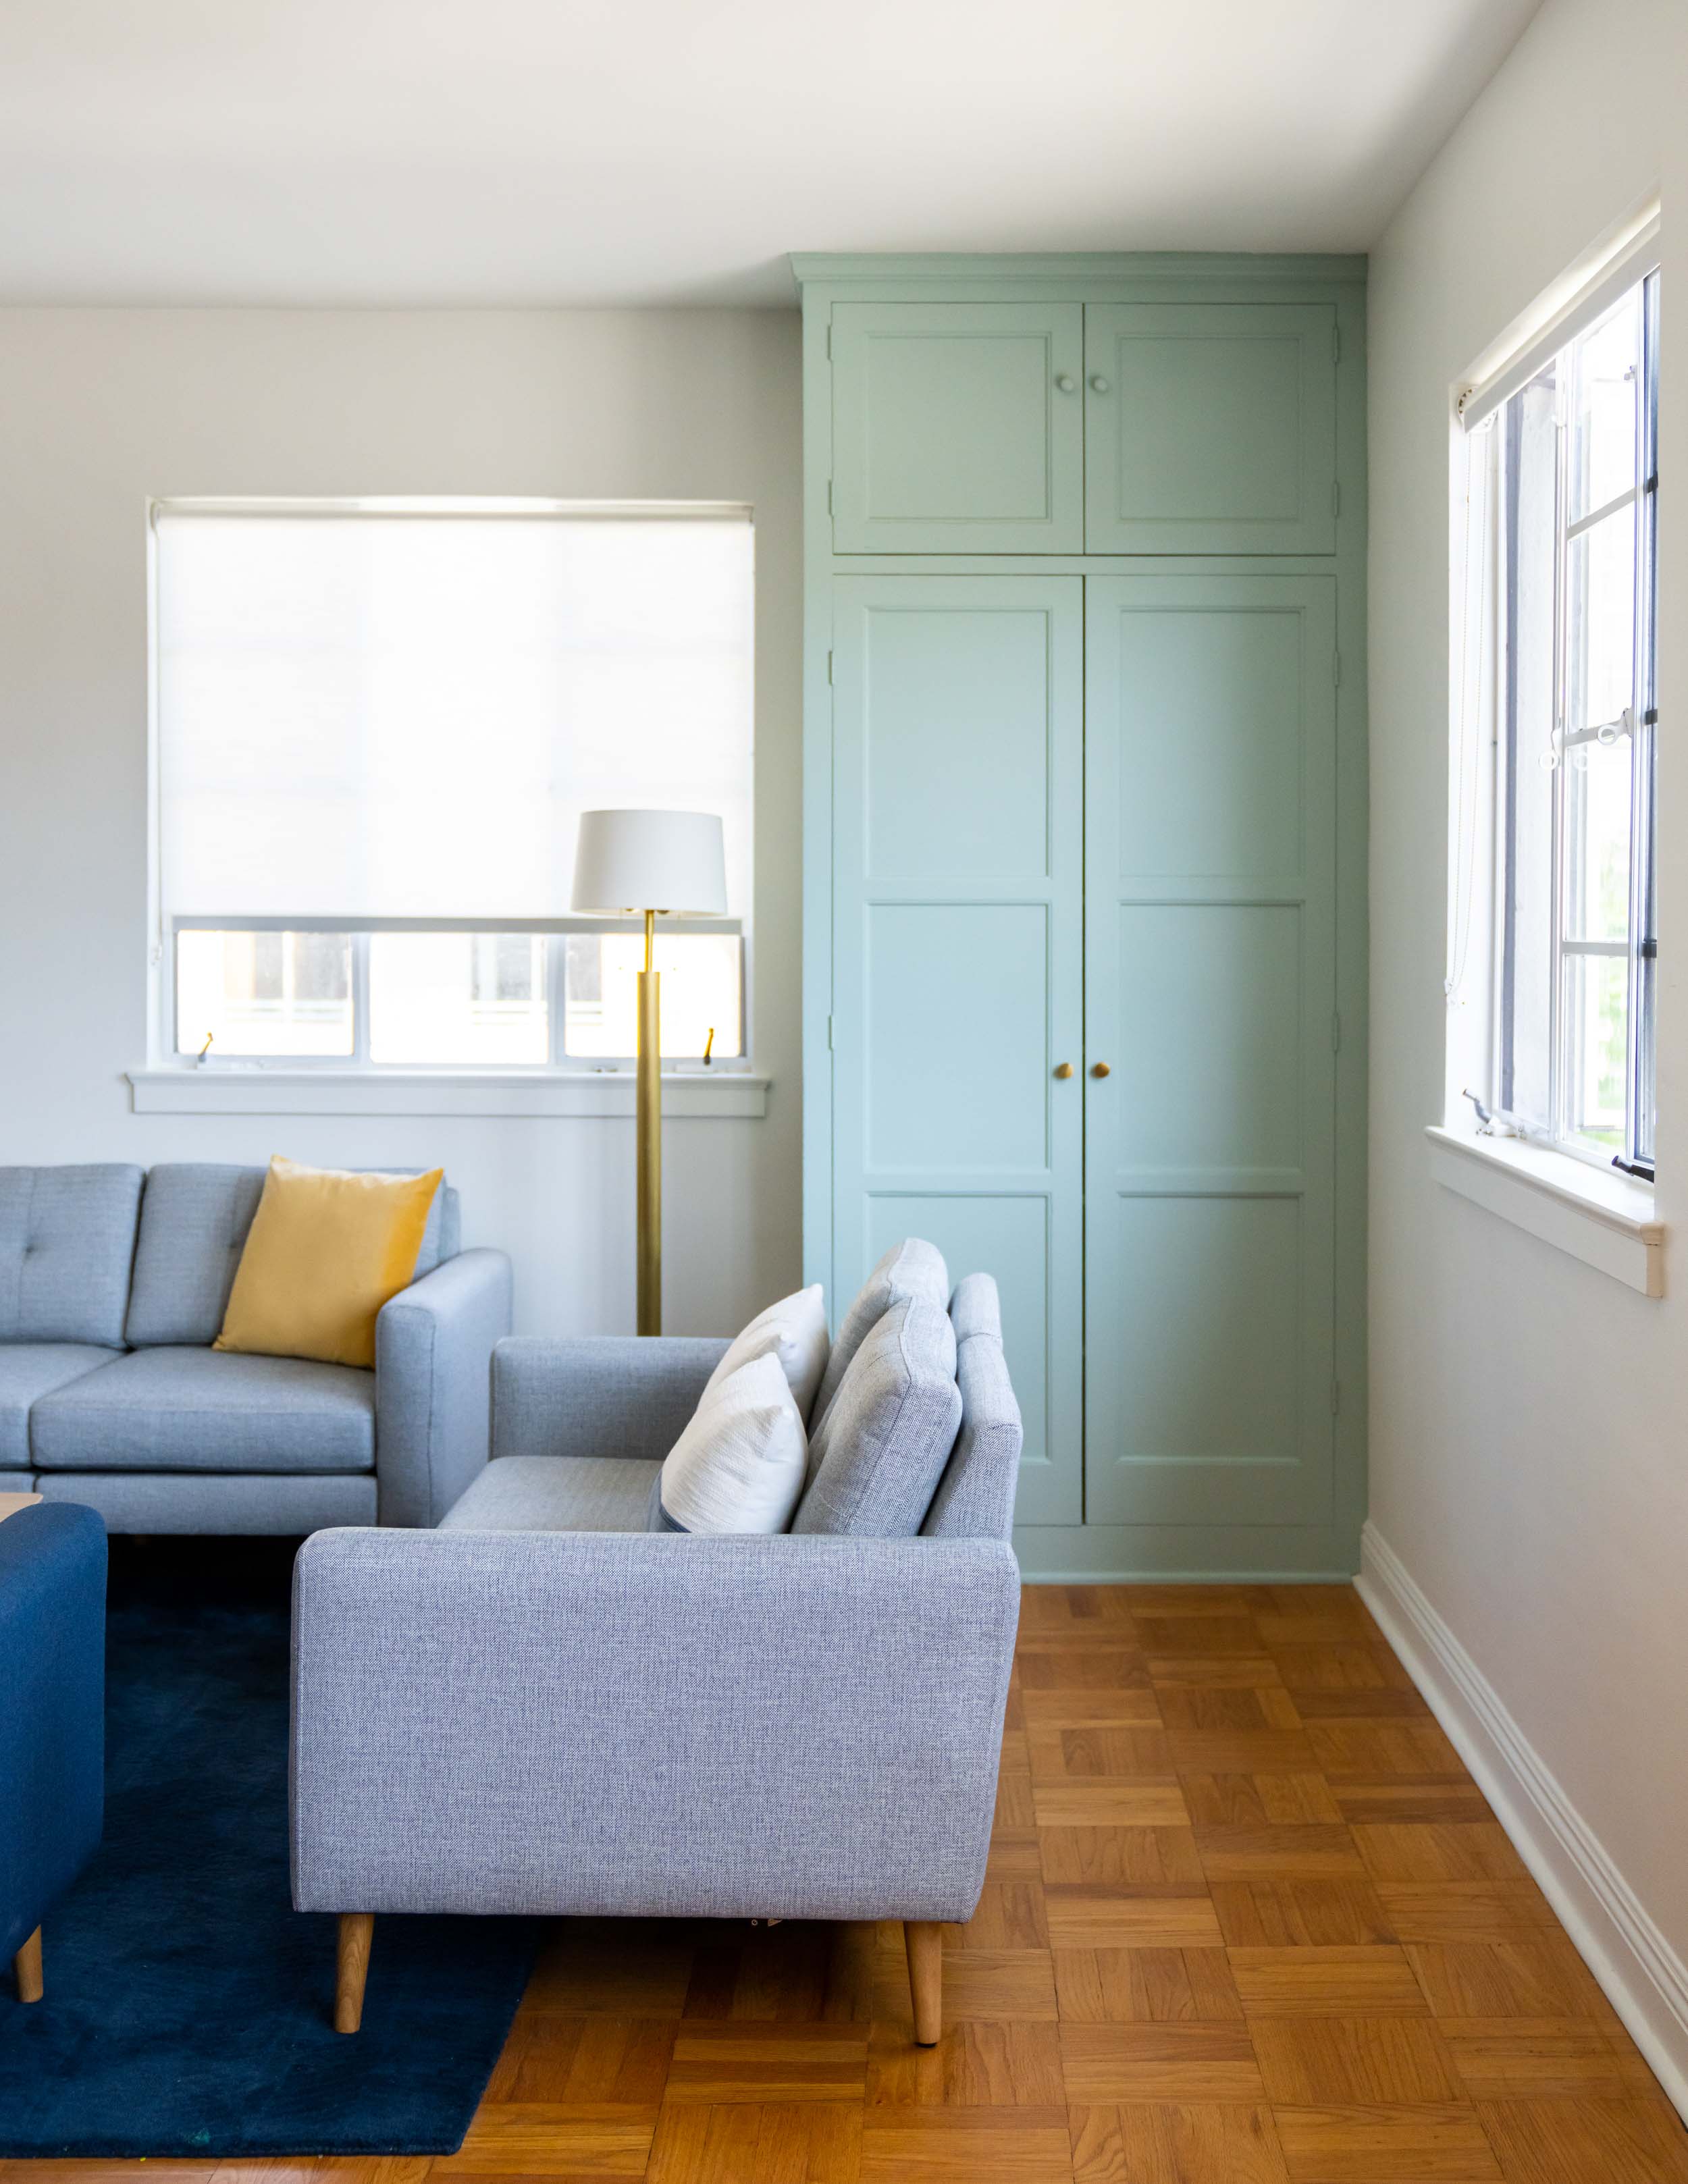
<point x="740" y="1465"/>
<point x="794" y="1330"/>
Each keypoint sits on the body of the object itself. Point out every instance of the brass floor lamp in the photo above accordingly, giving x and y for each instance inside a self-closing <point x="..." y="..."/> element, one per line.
<point x="658" y="863"/>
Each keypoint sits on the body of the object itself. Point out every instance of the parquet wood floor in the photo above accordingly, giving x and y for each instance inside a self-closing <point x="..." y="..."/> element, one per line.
<point x="1247" y="1920"/>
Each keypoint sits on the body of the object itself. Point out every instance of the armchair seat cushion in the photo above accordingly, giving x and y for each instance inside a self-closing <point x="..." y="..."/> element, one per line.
<point x="557" y="1494"/>
<point x="191" y="1409"/>
<point x="28" y="1371"/>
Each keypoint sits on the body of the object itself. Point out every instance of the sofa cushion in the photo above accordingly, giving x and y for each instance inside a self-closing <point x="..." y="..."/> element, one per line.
<point x="194" y="1219"/>
<point x="912" y="1268"/>
<point x="876" y="1457"/>
<point x="556" y="1494"/>
<point x="794" y="1330"/>
<point x="740" y="1465"/>
<point x="975" y="1497"/>
<point x="206" y="1410"/>
<point x="67" y="1241"/>
<point x="31" y="1369"/>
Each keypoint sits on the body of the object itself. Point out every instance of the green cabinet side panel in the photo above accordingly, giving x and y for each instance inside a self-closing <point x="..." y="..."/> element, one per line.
<point x="958" y="428"/>
<point x="1210" y="428"/>
<point x="1210" y="994"/>
<point x="957" y="972"/>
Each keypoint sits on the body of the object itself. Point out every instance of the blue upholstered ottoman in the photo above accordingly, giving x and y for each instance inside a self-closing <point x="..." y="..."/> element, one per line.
<point x="52" y="1717"/>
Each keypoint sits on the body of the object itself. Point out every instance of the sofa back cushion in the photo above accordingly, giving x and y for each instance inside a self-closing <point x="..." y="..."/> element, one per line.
<point x="975" y="1497"/>
<point x="912" y="1268"/>
<point x="194" y="1219"/>
<point x="67" y="1241"/>
<point x="876" y="1457"/>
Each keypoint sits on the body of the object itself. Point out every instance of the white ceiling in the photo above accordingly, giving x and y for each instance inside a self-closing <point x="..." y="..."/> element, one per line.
<point x="454" y="152"/>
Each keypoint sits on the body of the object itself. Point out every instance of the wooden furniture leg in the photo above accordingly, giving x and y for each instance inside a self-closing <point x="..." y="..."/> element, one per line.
<point x="357" y="1930"/>
<point x="27" y="1965"/>
<point x="923" y="1938"/>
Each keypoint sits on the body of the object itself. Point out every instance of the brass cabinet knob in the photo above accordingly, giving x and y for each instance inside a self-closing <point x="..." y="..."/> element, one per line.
<point x="1099" y="1069"/>
<point x="1063" y="1069"/>
<point x="1099" y="382"/>
<point x="1063" y="380"/>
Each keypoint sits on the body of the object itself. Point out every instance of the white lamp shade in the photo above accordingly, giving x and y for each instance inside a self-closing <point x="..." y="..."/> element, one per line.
<point x="671" y="860"/>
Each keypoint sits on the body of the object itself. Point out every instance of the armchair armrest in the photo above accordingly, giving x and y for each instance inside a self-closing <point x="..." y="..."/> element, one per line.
<point x="433" y="1346"/>
<point x="643" y="1724"/>
<point x="604" y="1395"/>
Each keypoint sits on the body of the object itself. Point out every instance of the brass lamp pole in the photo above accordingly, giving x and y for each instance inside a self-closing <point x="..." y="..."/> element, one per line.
<point x="654" y="862"/>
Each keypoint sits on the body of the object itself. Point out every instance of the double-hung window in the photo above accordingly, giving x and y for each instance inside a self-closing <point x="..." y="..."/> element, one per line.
<point x="375" y="727"/>
<point x="1564" y="487"/>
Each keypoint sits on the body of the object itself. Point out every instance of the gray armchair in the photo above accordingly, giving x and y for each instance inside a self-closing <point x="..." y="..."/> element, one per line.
<point x="543" y="1708"/>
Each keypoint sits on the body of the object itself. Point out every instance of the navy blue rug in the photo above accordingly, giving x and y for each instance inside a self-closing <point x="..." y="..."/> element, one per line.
<point x="188" y="2008"/>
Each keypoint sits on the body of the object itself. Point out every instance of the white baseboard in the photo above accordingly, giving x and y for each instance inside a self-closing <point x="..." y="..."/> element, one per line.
<point x="1642" y="1977"/>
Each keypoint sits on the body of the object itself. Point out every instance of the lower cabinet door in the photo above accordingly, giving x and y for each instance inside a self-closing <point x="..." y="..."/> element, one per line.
<point x="957" y="956"/>
<point x="1210" y="981"/>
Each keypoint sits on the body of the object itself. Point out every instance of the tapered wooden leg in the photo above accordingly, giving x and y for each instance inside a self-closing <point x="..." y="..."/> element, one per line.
<point x="27" y="1965"/>
<point x="924" y="1940"/>
<point x="357" y="1931"/>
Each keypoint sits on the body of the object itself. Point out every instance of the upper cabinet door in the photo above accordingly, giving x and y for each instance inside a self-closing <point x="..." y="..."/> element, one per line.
<point x="958" y="428"/>
<point x="1211" y="428"/>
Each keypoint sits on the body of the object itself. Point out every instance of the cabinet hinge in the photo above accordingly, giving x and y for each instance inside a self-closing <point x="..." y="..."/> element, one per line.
<point x="829" y="341"/>
<point x="1336" y="496"/>
<point x="829" y="667"/>
<point x="1336" y="669"/>
<point x="1336" y="1034"/>
<point x="829" y="1034"/>
<point x="1336" y="344"/>
<point x="829" y="495"/>
<point x="1335" y="1398"/>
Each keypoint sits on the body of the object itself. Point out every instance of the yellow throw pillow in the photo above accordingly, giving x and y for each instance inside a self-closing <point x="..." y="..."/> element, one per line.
<point x="326" y="1250"/>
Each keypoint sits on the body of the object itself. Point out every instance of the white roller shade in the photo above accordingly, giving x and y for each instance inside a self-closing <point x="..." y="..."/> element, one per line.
<point x="370" y="715"/>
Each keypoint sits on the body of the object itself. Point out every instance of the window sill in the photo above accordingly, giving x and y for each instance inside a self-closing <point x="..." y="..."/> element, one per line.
<point x="232" y="1091"/>
<point x="1605" y="1219"/>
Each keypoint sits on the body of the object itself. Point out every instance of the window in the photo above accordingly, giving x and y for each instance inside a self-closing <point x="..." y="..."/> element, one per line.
<point x="376" y="725"/>
<point x="1564" y="498"/>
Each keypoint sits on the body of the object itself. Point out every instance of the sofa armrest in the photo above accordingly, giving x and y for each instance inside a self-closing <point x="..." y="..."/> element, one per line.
<point x="52" y="1571"/>
<point x="433" y="1347"/>
<point x="602" y="1395"/>
<point x="646" y="1724"/>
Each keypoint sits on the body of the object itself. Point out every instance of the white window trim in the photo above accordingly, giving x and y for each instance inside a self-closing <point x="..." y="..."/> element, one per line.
<point x="257" y="1088"/>
<point x="1606" y="1219"/>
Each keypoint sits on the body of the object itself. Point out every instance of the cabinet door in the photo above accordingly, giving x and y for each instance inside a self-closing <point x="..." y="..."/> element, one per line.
<point x="1211" y="428"/>
<point x="958" y="428"/>
<point x="1210" y="994"/>
<point x="957" y="985"/>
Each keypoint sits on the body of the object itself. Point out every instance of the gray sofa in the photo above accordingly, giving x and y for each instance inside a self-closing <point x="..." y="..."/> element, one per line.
<point x="541" y="1707"/>
<point x="113" y="1285"/>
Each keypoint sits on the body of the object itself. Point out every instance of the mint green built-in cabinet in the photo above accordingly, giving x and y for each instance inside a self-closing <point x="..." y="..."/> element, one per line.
<point x="1084" y="789"/>
<point x="957" y="989"/>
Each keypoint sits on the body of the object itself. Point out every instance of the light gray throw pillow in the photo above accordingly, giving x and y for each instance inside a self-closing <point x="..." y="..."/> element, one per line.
<point x="876" y="1459"/>
<point x="912" y="1268"/>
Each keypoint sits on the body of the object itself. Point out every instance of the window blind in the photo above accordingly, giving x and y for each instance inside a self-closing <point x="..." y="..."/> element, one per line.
<point x="366" y="714"/>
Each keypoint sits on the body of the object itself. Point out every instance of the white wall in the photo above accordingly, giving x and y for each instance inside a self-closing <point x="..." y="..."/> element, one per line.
<point x="1528" y="1415"/>
<point x="101" y="408"/>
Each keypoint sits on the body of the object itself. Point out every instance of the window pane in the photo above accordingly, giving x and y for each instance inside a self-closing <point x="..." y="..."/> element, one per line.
<point x="1599" y="609"/>
<point x="1597" y="788"/>
<point x="1596" y="1033"/>
<point x="263" y="992"/>
<point x="1601" y="458"/>
<point x="1529" y="495"/>
<point x="458" y="997"/>
<point x="701" y="991"/>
